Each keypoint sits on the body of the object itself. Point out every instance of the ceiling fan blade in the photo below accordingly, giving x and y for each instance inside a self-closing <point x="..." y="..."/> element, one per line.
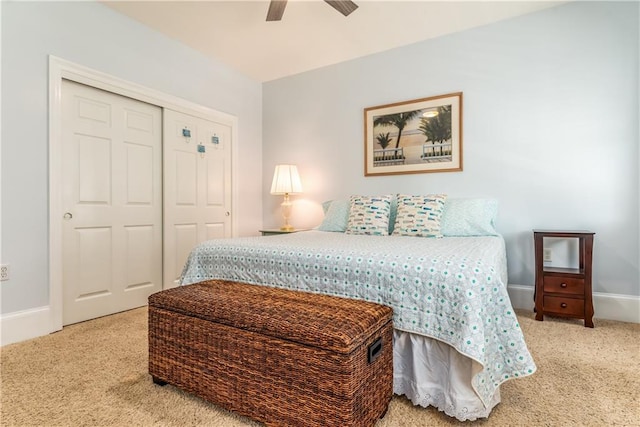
<point x="345" y="7"/>
<point x="276" y="9"/>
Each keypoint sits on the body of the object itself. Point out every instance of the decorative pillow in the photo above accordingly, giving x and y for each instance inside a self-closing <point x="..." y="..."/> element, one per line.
<point x="419" y="215"/>
<point x="336" y="216"/>
<point x="470" y="217"/>
<point x="369" y="215"/>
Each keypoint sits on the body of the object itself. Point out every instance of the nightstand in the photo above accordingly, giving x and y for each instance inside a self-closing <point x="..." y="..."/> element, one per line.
<point x="275" y="231"/>
<point x="564" y="292"/>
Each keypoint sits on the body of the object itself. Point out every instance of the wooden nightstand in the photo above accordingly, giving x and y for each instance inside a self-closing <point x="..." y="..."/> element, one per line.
<point x="564" y="292"/>
<point x="275" y="231"/>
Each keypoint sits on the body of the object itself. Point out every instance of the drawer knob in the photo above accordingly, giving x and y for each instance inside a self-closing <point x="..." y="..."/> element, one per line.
<point x="563" y="285"/>
<point x="563" y="305"/>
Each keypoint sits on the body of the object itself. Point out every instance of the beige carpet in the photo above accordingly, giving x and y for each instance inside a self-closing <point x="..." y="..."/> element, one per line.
<point x="95" y="374"/>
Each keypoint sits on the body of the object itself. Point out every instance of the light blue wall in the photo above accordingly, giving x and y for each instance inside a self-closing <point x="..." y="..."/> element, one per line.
<point x="92" y="35"/>
<point x="550" y="129"/>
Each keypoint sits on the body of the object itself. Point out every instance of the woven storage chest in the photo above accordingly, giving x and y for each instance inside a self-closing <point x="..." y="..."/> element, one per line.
<point x="278" y="356"/>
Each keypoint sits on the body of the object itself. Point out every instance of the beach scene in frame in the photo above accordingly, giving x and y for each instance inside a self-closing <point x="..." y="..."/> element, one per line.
<point x="417" y="136"/>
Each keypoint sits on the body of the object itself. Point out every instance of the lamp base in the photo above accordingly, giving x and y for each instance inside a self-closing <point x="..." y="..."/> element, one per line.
<point x="286" y="213"/>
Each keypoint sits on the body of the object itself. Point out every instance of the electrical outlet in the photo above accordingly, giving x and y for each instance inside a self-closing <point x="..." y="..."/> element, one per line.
<point x="4" y="272"/>
<point x="546" y="255"/>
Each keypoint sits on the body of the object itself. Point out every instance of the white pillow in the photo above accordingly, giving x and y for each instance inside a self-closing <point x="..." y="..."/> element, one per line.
<point x="369" y="215"/>
<point x="419" y="215"/>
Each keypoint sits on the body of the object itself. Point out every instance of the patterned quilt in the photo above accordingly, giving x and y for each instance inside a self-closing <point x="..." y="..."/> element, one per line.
<point x="452" y="289"/>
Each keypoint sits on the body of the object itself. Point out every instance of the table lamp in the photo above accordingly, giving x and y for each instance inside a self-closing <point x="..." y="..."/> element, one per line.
<point x="286" y="181"/>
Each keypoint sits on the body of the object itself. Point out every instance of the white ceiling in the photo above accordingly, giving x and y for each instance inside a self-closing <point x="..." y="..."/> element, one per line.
<point x="311" y="33"/>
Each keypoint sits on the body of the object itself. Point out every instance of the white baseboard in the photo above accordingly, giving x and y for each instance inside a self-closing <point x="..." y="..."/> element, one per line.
<point x="36" y="322"/>
<point x="24" y="325"/>
<point x="624" y="308"/>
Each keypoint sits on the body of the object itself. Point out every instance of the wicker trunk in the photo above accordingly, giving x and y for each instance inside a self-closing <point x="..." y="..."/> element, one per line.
<point x="278" y="356"/>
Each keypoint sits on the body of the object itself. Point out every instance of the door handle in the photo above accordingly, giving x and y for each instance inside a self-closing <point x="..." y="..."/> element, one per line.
<point x="68" y="215"/>
<point x="227" y="213"/>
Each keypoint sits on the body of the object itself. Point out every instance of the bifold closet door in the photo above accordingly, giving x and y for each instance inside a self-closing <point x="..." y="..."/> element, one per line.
<point x="197" y="187"/>
<point x="112" y="196"/>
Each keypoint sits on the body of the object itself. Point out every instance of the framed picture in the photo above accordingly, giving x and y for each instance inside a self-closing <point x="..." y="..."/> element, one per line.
<point x="418" y="136"/>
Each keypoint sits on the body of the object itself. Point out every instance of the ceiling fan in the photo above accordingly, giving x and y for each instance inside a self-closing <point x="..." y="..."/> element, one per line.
<point x="276" y="8"/>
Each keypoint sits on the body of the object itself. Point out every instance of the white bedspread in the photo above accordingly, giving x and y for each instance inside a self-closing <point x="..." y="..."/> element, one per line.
<point x="452" y="289"/>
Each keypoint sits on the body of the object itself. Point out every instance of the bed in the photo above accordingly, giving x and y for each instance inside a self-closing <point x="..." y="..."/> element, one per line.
<point x="456" y="335"/>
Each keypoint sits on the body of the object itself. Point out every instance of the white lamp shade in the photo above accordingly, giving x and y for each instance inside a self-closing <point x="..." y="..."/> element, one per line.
<point x="286" y="180"/>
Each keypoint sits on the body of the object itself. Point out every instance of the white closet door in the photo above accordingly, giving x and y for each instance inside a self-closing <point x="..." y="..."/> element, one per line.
<point x="197" y="187"/>
<point x="112" y="195"/>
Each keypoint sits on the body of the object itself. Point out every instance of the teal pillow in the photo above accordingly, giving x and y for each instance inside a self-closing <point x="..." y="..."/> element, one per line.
<point x="469" y="217"/>
<point x="393" y="211"/>
<point x="336" y="216"/>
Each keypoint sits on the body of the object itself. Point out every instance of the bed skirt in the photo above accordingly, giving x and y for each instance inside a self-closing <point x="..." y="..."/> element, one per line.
<point x="432" y="373"/>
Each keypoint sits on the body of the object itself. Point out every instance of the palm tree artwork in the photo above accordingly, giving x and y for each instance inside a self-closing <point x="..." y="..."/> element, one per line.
<point x="437" y="129"/>
<point x="426" y="134"/>
<point x="398" y="120"/>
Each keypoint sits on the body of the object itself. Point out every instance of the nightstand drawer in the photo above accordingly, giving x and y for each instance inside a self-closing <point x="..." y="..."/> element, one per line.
<point x="564" y="306"/>
<point x="564" y="285"/>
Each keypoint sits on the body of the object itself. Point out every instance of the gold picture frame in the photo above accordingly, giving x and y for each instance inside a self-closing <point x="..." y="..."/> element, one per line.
<point x="418" y="136"/>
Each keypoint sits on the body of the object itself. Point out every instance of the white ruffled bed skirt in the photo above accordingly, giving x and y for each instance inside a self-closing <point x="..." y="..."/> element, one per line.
<point x="430" y="372"/>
